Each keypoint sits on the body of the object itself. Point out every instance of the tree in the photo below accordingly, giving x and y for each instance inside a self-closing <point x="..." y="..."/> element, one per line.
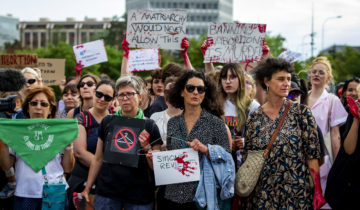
<point x="115" y="34"/>
<point x="275" y="43"/>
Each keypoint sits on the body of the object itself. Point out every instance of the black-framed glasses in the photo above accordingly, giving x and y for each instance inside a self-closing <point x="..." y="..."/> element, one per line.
<point x="121" y="96"/>
<point x="191" y="88"/>
<point x="88" y="83"/>
<point x="293" y="95"/>
<point x="99" y="94"/>
<point x="31" y="81"/>
<point x="42" y="103"/>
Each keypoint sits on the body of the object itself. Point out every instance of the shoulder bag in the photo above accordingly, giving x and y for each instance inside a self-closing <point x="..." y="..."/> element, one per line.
<point x="249" y="172"/>
<point x="53" y="195"/>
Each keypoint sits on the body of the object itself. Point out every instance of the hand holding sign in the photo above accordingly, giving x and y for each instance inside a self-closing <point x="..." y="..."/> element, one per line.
<point x="144" y="138"/>
<point x="198" y="146"/>
<point x="78" y="68"/>
<point x="125" y="46"/>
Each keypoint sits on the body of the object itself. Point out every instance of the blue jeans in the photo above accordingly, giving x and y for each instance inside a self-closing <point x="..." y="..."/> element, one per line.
<point x="104" y="203"/>
<point x="27" y="203"/>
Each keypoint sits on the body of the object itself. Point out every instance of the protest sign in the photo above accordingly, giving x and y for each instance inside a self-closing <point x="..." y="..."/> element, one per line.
<point x="52" y="70"/>
<point x="176" y="166"/>
<point x="37" y="141"/>
<point x="142" y="60"/>
<point x="235" y="42"/>
<point x="121" y="144"/>
<point x="90" y="53"/>
<point x="18" y="61"/>
<point x="156" y="28"/>
<point x="290" y="56"/>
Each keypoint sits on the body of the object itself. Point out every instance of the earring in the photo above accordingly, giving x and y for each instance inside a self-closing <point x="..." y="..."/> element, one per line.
<point x="267" y="88"/>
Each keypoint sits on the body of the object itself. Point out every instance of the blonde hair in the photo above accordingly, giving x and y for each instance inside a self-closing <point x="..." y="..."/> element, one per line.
<point x="323" y="60"/>
<point x="31" y="71"/>
<point x="253" y="85"/>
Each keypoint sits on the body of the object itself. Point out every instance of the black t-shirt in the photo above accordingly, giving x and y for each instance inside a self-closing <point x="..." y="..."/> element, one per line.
<point x="157" y="106"/>
<point x="128" y="184"/>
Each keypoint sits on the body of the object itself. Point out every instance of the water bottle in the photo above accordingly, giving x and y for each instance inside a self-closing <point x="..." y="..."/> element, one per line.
<point x="80" y="202"/>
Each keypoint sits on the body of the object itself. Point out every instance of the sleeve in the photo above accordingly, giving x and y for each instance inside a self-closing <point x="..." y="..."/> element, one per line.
<point x="151" y="127"/>
<point x="311" y="142"/>
<point x="249" y="132"/>
<point x="170" y="132"/>
<point x="338" y="114"/>
<point x="102" y="127"/>
<point x="81" y="119"/>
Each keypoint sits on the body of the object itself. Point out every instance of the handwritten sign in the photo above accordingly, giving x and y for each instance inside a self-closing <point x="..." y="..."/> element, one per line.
<point x="143" y="60"/>
<point x="176" y="166"/>
<point x="290" y="56"/>
<point x="52" y="70"/>
<point x="235" y="42"/>
<point x="18" y="61"/>
<point x="156" y="28"/>
<point x="90" y="53"/>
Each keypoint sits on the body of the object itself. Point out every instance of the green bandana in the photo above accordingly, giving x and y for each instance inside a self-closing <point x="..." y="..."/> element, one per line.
<point x="140" y="114"/>
<point x="37" y="141"/>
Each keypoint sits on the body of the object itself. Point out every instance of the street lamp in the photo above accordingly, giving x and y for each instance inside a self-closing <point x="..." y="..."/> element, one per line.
<point x="323" y="28"/>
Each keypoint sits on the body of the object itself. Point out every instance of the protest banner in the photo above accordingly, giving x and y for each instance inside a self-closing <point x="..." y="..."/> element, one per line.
<point x="176" y="166"/>
<point x="290" y="56"/>
<point x="37" y="141"/>
<point x="90" y="53"/>
<point x="52" y="70"/>
<point x="143" y="60"/>
<point x="235" y="42"/>
<point x="156" y="28"/>
<point x="18" y="61"/>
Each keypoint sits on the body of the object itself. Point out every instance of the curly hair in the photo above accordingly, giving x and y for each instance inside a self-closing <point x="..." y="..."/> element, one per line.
<point x="210" y="103"/>
<point x="270" y="66"/>
<point x="49" y="95"/>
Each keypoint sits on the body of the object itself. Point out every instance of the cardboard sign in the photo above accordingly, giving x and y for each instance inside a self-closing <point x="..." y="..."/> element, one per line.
<point x="52" y="70"/>
<point x="122" y="145"/>
<point x="176" y="166"/>
<point x="90" y="53"/>
<point x="143" y="60"/>
<point x="156" y="28"/>
<point x="290" y="56"/>
<point x="18" y="61"/>
<point x="235" y="42"/>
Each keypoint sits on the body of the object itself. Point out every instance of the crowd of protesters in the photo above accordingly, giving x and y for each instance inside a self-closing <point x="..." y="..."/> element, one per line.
<point x="314" y="162"/>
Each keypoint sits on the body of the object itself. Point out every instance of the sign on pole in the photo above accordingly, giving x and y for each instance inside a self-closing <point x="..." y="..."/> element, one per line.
<point x="18" y="61"/>
<point x="90" y="53"/>
<point x="143" y="60"/>
<point x="176" y="166"/>
<point x="156" y="28"/>
<point x="235" y="42"/>
<point x="52" y="70"/>
<point x="290" y="56"/>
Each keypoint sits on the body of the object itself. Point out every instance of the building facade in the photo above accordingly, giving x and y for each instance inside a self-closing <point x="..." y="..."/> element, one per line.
<point x="200" y="12"/>
<point x="41" y="33"/>
<point x="8" y="29"/>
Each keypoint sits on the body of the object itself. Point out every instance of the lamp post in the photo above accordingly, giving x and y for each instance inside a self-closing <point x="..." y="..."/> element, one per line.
<point x="323" y="29"/>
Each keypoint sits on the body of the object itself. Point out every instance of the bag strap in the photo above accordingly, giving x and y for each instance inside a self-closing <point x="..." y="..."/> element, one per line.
<point x="277" y="129"/>
<point x="43" y="171"/>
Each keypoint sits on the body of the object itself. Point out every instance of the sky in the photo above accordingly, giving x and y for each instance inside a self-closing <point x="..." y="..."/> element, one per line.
<point x="291" y="19"/>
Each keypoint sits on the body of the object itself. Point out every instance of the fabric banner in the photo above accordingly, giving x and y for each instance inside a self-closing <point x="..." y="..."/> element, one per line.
<point x="37" y="141"/>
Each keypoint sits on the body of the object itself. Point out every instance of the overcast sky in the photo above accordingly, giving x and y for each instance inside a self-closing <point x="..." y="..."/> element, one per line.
<point x="290" y="18"/>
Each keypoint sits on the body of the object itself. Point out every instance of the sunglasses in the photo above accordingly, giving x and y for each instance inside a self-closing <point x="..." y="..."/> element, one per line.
<point x="88" y="83"/>
<point x="99" y="94"/>
<point x="191" y="88"/>
<point x="293" y="95"/>
<point x="31" y="81"/>
<point x="42" y="103"/>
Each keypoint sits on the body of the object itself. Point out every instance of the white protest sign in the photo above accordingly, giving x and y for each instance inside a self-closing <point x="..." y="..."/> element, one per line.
<point x="90" y="53"/>
<point x="176" y="166"/>
<point x="235" y="42"/>
<point x="290" y="56"/>
<point x="142" y="60"/>
<point x="156" y="28"/>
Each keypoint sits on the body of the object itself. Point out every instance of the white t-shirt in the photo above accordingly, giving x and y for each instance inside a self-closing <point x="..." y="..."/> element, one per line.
<point x="29" y="184"/>
<point x="230" y="108"/>
<point x="161" y="119"/>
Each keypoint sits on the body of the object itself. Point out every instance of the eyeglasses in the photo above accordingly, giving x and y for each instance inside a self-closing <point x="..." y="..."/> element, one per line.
<point x="231" y="78"/>
<point x="88" y="83"/>
<point x="314" y="72"/>
<point x="31" y="81"/>
<point x="293" y="95"/>
<point x="127" y="95"/>
<point x="42" y="103"/>
<point x="191" y="88"/>
<point x="99" y="94"/>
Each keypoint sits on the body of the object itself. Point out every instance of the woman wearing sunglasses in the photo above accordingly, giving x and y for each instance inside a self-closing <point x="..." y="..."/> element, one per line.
<point x="33" y="79"/>
<point x="85" y="144"/>
<point x="198" y="126"/>
<point x="86" y="87"/>
<point x="39" y="103"/>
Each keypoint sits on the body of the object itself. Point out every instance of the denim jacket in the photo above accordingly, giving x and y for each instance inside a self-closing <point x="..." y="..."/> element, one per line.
<point x="218" y="172"/>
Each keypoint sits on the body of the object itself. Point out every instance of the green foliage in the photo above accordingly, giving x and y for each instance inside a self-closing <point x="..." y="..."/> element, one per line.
<point x="115" y="34"/>
<point x="275" y="43"/>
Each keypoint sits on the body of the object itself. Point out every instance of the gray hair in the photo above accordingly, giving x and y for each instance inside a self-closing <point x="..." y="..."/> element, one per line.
<point x="132" y="81"/>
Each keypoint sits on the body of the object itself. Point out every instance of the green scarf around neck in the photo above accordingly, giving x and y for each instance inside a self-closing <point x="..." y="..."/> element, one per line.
<point x="140" y="114"/>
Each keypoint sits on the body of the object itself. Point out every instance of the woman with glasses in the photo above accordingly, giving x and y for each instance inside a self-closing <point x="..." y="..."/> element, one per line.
<point x="39" y="103"/>
<point x="85" y="145"/>
<point x="198" y="126"/>
<point x="328" y="112"/>
<point x="120" y="186"/>
<point x="86" y="87"/>
<point x="292" y="161"/>
<point x="33" y="79"/>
